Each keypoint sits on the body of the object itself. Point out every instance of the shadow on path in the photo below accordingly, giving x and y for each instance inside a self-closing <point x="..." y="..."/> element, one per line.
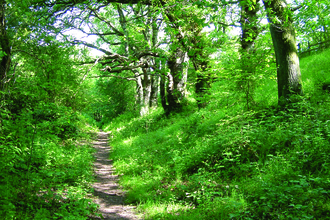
<point x="106" y="190"/>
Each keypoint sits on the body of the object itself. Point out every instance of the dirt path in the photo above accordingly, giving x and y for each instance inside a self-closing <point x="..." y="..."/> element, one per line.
<point x="107" y="192"/>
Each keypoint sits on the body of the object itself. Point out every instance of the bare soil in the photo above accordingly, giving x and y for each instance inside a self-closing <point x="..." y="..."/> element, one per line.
<point x="107" y="192"/>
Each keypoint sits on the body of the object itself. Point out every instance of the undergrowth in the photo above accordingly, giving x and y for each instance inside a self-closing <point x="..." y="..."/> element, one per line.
<point x="46" y="164"/>
<point x="224" y="162"/>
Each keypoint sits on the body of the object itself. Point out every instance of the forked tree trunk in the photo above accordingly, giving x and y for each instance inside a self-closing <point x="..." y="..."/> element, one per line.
<point x="284" y="40"/>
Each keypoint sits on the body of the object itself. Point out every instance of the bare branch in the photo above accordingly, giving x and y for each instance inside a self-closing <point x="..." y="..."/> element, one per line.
<point x="228" y="25"/>
<point x="122" y="68"/>
<point x="91" y="46"/>
<point x="296" y="8"/>
<point x="107" y="22"/>
<point x="120" y="77"/>
<point x="129" y="78"/>
<point x="82" y="80"/>
<point x="137" y="17"/>
<point x="93" y="33"/>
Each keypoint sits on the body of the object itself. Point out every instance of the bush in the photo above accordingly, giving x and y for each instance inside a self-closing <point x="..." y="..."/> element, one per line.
<point x="44" y="172"/>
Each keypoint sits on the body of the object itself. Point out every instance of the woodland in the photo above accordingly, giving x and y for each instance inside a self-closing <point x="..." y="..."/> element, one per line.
<point x="215" y="109"/>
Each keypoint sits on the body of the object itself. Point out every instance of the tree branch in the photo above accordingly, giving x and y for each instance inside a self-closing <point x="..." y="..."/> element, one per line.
<point x="129" y="78"/>
<point x="228" y="25"/>
<point x="120" y="77"/>
<point x="91" y="46"/>
<point x="122" y="68"/>
<point x="296" y="8"/>
<point x="107" y="22"/>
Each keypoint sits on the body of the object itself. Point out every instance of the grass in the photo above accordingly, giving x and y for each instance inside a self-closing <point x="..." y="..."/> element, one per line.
<point x="224" y="162"/>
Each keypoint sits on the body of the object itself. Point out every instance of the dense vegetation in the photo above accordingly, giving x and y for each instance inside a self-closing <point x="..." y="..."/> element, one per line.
<point x="211" y="113"/>
<point x="225" y="162"/>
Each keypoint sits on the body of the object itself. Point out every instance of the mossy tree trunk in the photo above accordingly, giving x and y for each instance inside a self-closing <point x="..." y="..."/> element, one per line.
<point x="284" y="41"/>
<point x="146" y="85"/>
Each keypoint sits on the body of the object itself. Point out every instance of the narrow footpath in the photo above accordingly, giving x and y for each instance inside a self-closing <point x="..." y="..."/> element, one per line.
<point x="107" y="192"/>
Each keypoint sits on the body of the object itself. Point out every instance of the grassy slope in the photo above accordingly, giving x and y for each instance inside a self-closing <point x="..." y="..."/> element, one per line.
<point x="226" y="163"/>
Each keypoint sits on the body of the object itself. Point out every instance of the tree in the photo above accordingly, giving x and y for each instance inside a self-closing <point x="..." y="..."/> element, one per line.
<point x="250" y="30"/>
<point x="130" y="33"/>
<point x="136" y="45"/>
<point x="281" y="28"/>
<point x="147" y="81"/>
<point x="284" y="41"/>
<point x="249" y="24"/>
<point x="200" y="58"/>
<point x="188" y="21"/>
<point x="186" y="34"/>
<point x="177" y="79"/>
<point x="5" y="45"/>
<point x="311" y="16"/>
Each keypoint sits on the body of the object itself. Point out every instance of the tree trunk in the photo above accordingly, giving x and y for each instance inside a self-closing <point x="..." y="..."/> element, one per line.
<point x="203" y="83"/>
<point x="176" y="79"/>
<point x="154" y="91"/>
<point x="250" y="31"/>
<point x="143" y="91"/>
<point x="5" y="46"/>
<point x="249" y="24"/>
<point x="139" y="91"/>
<point x="173" y="91"/>
<point x="146" y="85"/>
<point x="140" y="94"/>
<point x="284" y="41"/>
<point x="199" y="55"/>
<point x="162" y="86"/>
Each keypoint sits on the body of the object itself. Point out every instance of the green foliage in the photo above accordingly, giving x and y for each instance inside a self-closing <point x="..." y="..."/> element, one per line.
<point x="118" y="97"/>
<point x="317" y="68"/>
<point x="249" y="72"/>
<point x="224" y="162"/>
<point x="45" y="171"/>
<point x="239" y="158"/>
<point x="311" y="23"/>
<point x="45" y="159"/>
